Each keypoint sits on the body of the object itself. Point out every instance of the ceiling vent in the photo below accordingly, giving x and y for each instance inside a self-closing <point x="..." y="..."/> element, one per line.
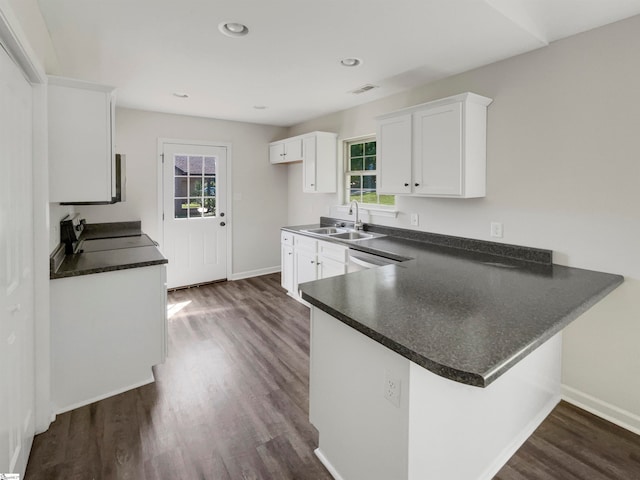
<point x="364" y="88"/>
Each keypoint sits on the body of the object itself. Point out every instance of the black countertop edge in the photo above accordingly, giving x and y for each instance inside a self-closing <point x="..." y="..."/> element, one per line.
<point x="93" y="231"/>
<point x="467" y="378"/>
<point x="518" y="252"/>
<point x="110" y="268"/>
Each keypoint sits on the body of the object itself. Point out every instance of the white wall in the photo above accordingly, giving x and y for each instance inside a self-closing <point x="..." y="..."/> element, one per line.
<point x="35" y="29"/>
<point x="563" y="173"/>
<point x="259" y="188"/>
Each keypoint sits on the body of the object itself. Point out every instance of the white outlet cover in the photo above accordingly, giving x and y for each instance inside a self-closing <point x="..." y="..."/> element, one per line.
<point x="392" y="389"/>
<point x="496" y="230"/>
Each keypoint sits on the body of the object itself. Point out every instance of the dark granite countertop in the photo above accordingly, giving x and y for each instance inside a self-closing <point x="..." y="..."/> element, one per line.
<point x="464" y="314"/>
<point x="98" y="252"/>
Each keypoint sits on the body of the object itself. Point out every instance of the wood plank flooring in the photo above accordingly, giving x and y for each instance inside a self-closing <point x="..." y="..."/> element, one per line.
<point x="231" y="402"/>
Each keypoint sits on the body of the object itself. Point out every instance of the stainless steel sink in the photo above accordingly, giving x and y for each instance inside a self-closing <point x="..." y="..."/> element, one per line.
<point x="352" y="236"/>
<point x="326" y="230"/>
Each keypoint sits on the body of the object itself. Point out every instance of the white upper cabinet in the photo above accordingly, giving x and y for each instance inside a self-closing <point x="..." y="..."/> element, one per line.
<point x="436" y="149"/>
<point x="394" y="145"/>
<point x="286" y="151"/>
<point x="318" y="152"/>
<point x="319" y="165"/>
<point x="81" y="155"/>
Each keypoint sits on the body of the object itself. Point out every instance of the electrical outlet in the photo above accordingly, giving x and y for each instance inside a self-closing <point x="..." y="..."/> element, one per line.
<point x="392" y="389"/>
<point x="415" y="219"/>
<point x="496" y="229"/>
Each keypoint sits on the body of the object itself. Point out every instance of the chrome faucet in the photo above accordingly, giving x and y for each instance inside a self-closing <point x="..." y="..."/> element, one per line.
<point x="358" y="223"/>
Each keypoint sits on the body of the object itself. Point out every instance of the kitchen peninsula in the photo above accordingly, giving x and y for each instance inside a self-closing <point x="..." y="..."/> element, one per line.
<point x="440" y="366"/>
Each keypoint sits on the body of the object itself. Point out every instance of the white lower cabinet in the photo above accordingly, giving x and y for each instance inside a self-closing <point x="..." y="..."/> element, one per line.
<point x="305" y="259"/>
<point x="107" y="331"/>
<point x="286" y="256"/>
<point x="332" y="260"/>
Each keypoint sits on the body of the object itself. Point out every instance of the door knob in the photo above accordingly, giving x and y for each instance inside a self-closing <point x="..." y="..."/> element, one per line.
<point x="222" y="224"/>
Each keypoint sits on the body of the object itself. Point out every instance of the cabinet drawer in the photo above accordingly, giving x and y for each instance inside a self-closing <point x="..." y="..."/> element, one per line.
<point x="286" y="238"/>
<point x="333" y="251"/>
<point x="305" y="243"/>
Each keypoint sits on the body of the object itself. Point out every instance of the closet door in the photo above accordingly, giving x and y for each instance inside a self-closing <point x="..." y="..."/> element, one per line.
<point x="17" y="374"/>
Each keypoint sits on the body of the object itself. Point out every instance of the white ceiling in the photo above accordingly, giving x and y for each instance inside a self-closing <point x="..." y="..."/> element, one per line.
<point x="289" y="62"/>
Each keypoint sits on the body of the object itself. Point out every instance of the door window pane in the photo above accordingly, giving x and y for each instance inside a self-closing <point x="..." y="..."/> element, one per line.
<point x="209" y="186"/>
<point x="194" y="186"/>
<point x="180" y="187"/>
<point x="181" y="207"/>
<point x="209" y="205"/>
<point x="195" y="165"/>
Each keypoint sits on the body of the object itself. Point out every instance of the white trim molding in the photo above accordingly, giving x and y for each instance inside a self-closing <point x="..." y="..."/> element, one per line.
<point x="602" y="409"/>
<point x="254" y="273"/>
<point x="15" y="42"/>
<point x="327" y="464"/>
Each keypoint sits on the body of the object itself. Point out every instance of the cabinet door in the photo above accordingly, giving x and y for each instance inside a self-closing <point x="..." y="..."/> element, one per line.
<point x="309" y="165"/>
<point x="394" y="155"/>
<point x="305" y="267"/>
<point x="80" y="145"/>
<point x="286" y="274"/>
<point x="437" y="155"/>
<point x="276" y="153"/>
<point x="327" y="267"/>
<point x="293" y="150"/>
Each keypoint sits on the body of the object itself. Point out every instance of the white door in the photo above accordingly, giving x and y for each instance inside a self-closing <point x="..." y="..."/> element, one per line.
<point x="17" y="355"/>
<point x="195" y="220"/>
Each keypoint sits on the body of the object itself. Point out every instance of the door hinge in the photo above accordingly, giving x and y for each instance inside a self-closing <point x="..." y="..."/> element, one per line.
<point x="162" y="155"/>
<point x="163" y="216"/>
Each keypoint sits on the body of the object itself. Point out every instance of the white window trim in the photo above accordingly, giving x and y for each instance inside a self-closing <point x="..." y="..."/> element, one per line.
<point x="375" y="209"/>
<point x="369" y="209"/>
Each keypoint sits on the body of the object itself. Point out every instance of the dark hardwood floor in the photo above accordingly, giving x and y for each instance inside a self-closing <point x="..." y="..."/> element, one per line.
<point x="572" y="444"/>
<point x="231" y="402"/>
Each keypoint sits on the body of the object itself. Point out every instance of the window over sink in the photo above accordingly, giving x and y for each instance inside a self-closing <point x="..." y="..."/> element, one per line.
<point x="361" y="173"/>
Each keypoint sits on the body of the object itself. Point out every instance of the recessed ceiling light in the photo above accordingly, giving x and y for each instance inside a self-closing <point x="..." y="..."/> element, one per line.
<point x="181" y="94"/>
<point x="260" y="107"/>
<point x="233" y="29"/>
<point x="350" y="62"/>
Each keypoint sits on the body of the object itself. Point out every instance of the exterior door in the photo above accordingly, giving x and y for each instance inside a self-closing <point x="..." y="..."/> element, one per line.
<point x="17" y="354"/>
<point x="195" y="221"/>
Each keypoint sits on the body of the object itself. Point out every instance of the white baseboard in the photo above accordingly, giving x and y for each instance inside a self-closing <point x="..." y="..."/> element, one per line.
<point x="327" y="464"/>
<point x="600" y="408"/>
<point x="517" y="442"/>
<point x="255" y="273"/>
<point x="67" y="408"/>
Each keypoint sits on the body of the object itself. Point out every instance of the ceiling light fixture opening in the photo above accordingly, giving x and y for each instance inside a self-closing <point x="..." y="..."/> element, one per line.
<point x="350" y="62"/>
<point x="364" y="88"/>
<point x="181" y="94"/>
<point x="233" y="29"/>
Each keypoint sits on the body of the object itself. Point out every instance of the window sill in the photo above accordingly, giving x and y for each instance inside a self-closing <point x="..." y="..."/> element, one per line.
<point x="371" y="210"/>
